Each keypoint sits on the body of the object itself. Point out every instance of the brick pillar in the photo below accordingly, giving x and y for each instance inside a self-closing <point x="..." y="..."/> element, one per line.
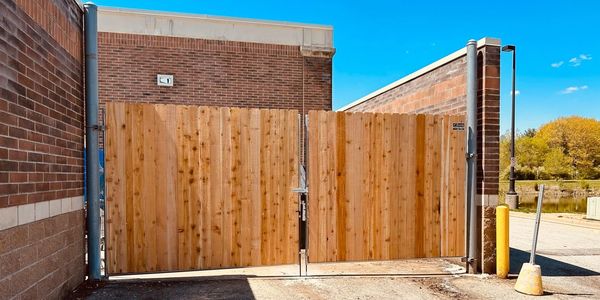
<point x="488" y="153"/>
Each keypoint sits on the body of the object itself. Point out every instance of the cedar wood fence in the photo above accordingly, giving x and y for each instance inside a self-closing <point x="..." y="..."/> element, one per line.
<point x="192" y="187"/>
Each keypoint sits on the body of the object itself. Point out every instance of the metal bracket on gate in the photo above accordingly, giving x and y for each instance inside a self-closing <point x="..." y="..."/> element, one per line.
<point x="302" y="216"/>
<point x="303" y="189"/>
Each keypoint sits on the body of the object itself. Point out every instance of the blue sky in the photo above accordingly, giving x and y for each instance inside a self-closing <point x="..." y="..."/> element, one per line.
<point x="378" y="42"/>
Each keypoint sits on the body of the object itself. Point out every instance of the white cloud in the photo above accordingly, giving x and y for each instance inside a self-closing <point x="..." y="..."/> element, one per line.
<point x="557" y="64"/>
<point x="517" y="93"/>
<point x="577" y="60"/>
<point x="573" y="89"/>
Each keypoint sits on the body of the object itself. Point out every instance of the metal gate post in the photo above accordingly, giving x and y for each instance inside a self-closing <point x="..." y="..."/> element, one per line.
<point x="303" y="191"/>
<point x="92" y="128"/>
<point x="471" y="193"/>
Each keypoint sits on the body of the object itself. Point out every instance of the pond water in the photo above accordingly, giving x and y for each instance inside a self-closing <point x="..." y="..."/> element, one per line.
<point x="552" y="204"/>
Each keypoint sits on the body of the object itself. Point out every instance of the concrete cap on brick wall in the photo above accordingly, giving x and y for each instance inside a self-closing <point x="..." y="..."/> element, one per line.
<point x="486" y="41"/>
<point x="144" y="22"/>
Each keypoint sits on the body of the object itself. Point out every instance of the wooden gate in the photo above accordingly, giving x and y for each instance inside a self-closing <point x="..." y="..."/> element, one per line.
<point x="192" y="188"/>
<point x="385" y="186"/>
<point x="200" y="188"/>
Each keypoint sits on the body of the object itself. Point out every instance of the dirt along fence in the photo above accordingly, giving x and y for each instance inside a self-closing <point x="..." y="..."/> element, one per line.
<point x="193" y="187"/>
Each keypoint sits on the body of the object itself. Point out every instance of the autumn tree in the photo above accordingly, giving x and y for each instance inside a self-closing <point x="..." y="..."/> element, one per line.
<point x="564" y="148"/>
<point x="579" y="140"/>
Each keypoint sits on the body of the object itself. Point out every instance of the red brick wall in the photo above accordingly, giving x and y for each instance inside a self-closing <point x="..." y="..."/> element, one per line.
<point x="209" y="72"/>
<point x="41" y="106"/>
<point x="443" y="90"/>
<point x="41" y="144"/>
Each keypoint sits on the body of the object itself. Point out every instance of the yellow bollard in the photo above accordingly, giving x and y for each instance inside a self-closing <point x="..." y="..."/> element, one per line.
<point x="502" y="246"/>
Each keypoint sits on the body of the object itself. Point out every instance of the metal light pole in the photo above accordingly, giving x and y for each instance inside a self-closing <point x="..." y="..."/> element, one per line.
<point x="512" y="198"/>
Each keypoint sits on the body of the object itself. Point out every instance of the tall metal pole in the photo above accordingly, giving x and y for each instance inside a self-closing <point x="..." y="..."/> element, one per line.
<point x="472" y="153"/>
<point x="512" y="199"/>
<point x="91" y="115"/>
<point x="511" y="187"/>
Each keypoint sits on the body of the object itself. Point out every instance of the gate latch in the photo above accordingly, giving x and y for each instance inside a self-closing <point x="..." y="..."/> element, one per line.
<point x="303" y="189"/>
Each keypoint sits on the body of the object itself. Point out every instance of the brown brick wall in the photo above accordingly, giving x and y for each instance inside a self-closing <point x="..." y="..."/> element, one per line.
<point x="209" y="72"/>
<point x="440" y="91"/>
<point x="43" y="259"/>
<point x="41" y="144"/>
<point x="488" y="104"/>
<point x="443" y="90"/>
<point x="41" y="103"/>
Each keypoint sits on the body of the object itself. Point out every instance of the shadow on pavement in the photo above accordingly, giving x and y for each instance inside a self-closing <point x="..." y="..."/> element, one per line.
<point x="214" y="287"/>
<point x="550" y="267"/>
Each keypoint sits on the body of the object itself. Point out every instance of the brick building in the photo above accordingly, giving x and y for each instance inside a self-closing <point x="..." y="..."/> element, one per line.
<point x="441" y="88"/>
<point x="214" y="61"/>
<point x="41" y="142"/>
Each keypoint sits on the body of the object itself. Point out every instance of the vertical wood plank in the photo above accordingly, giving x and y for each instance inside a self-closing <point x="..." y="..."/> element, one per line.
<point x="130" y="182"/>
<point x="147" y="191"/>
<point x="256" y="187"/>
<point x="340" y="182"/>
<point x="331" y="186"/>
<point x="160" y="188"/>
<point x="226" y="186"/>
<point x="171" y="185"/>
<point x="138" y="201"/>
<point x="183" y="190"/>
<point x="204" y="162"/>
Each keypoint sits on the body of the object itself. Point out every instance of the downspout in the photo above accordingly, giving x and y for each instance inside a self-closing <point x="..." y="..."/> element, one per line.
<point x="91" y="116"/>
<point x="471" y="155"/>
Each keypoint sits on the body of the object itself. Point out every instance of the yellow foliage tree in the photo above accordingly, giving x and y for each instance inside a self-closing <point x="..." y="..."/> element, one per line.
<point x="568" y="147"/>
<point x="578" y="139"/>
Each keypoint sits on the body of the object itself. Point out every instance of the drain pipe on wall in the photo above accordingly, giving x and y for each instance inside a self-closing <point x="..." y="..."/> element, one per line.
<point x="471" y="155"/>
<point x="91" y="126"/>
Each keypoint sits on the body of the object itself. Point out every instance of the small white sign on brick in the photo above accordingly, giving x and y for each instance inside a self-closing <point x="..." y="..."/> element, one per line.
<point x="164" y="80"/>
<point x="593" y="208"/>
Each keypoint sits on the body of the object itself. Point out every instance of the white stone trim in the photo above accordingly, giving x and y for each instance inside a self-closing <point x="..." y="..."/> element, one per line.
<point x="27" y="213"/>
<point x="156" y="23"/>
<point x="489" y="200"/>
<point x="462" y="52"/>
<point x="9" y="217"/>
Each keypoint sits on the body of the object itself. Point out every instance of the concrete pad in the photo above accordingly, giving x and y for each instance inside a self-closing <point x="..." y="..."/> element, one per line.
<point x="407" y="268"/>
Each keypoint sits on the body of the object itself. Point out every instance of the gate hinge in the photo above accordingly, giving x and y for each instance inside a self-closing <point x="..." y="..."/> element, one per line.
<point x="467" y="260"/>
<point x="470" y="155"/>
<point x="97" y="127"/>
